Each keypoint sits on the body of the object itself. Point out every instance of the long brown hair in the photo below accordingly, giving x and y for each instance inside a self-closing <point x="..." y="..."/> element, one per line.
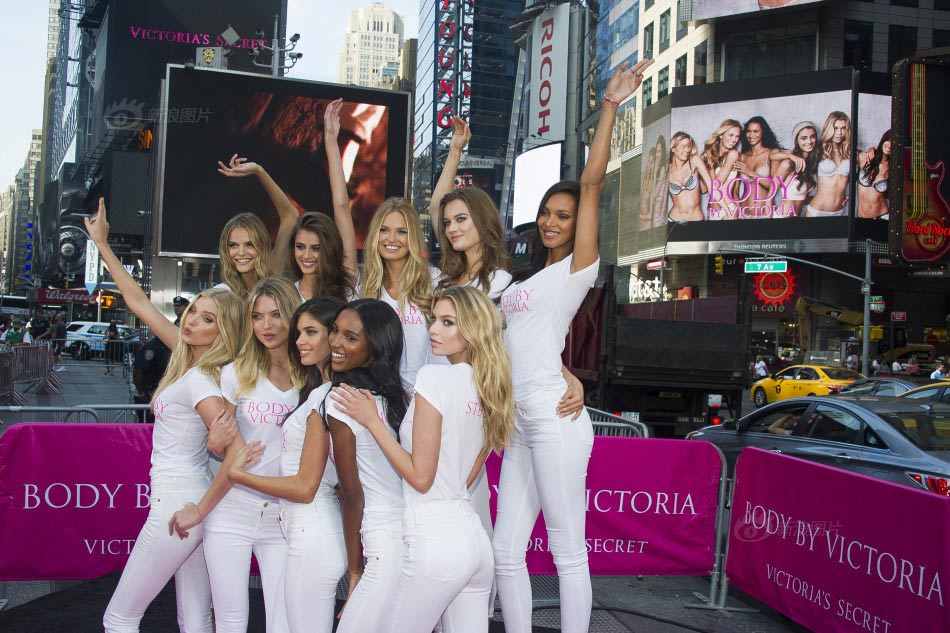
<point x="332" y="277"/>
<point x="485" y="217"/>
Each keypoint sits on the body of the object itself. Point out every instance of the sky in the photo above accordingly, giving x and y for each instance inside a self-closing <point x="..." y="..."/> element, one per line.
<point x="321" y="24"/>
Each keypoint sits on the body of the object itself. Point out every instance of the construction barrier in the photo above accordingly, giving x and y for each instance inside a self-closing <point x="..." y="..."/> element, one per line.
<point x="837" y="551"/>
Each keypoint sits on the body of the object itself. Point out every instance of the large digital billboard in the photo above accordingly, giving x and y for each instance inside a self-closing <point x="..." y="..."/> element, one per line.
<point x="705" y="9"/>
<point x="770" y="170"/>
<point x="278" y="123"/>
<point x="535" y="171"/>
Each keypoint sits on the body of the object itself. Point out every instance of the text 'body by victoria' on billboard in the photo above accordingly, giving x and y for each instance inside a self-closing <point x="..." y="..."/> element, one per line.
<point x="772" y="168"/>
<point x="278" y="123"/>
<point x="705" y="9"/>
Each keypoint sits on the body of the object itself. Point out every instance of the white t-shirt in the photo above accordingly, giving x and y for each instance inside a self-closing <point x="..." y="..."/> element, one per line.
<point x="382" y="486"/>
<point x="538" y="312"/>
<point x="498" y="281"/>
<point x="180" y="436"/>
<point x="260" y="416"/>
<point x="451" y="390"/>
<point x="294" y="431"/>
<point x="761" y="370"/>
<point x="415" y="338"/>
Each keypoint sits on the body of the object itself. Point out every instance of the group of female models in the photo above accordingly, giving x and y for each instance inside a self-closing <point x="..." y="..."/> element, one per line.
<point x="353" y="435"/>
<point x="713" y="184"/>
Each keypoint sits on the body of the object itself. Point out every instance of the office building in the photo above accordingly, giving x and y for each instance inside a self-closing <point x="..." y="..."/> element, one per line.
<point x="371" y="47"/>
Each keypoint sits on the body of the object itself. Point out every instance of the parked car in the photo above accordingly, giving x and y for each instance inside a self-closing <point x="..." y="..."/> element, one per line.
<point x="936" y="391"/>
<point x="802" y="380"/>
<point x="84" y="338"/>
<point x="894" y="439"/>
<point x="883" y="386"/>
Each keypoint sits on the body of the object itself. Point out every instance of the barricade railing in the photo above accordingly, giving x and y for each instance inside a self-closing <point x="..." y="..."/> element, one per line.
<point x="610" y="425"/>
<point x="94" y="413"/>
<point x="29" y="365"/>
<point x="7" y="376"/>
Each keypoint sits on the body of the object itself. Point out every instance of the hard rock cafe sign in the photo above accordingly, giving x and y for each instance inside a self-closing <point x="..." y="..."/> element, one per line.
<point x="774" y="289"/>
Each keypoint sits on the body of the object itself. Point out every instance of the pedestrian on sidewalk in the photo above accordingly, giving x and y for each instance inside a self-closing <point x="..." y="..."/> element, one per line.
<point x="59" y="339"/>
<point x="17" y="334"/>
<point x="112" y="347"/>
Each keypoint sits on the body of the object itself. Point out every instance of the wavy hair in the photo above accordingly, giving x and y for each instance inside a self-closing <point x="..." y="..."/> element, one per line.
<point x="809" y="174"/>
<point x="873" y="168"/>
<point x="332" y="278"/>
<point x="380" y="375"/>
<point x="261" y="241"/>
<point x="415" y="280"/>
<point x="679" y="136"/>
<point x="769" y="140"/>
<point x="253" y="362"/>
<point x="480" y="325"/>
<point x="828" y="148"/>
<point x="494" y="254"/>
<point x="539" y="252"/>
<point x="223" y="349"/>
<point x="324" y="311"/>
<point x="714" y="154"/>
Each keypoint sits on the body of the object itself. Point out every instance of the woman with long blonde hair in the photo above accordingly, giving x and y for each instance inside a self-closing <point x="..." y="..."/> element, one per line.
<point x="459" y="414"/>
<point x="834" y="168"/>
<point x="185" y="404"/>
<point x="689" y="170"/>
<point x="261" y="387"/>
<point x="720" y="156"/>
<point x="396" y="271"/>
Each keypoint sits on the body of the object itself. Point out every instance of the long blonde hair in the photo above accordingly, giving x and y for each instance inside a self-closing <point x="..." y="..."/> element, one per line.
<point x="221" y="352"/>
<point x="480" y="324"/>
<point x="261" y="241"/>
<point x="415" y="280"/>
<point x="714" y="154"/>
<point x="253" y="362"/>
<point x="487" y="222"/>
<point x="828" y="148"/>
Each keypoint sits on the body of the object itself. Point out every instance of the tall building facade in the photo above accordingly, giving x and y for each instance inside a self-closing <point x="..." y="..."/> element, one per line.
<point x="466" y="65"/>
<point x="371" y="47"/>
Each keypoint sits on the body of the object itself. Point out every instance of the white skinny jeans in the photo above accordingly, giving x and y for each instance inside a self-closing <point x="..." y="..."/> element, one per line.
<point x="447" y="570"/>
<point x="316" y="559"/>
<point x="157" y="556"/>
<point x="366" y="610"/>
<point x="545" y="468"/>
<point x="240" y="525"/>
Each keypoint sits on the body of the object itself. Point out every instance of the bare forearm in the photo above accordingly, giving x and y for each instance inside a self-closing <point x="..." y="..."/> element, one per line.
<point x="445" y="184"/>
<point x="596" y="167"/>
<point x="352" y="510"/>
<point x="399" y="457"/>
<point x="342" y="213"/>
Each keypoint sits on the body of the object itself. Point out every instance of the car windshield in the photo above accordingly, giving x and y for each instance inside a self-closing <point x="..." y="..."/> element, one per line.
<point x="842" y="374"/>
<point x="928" y="430"/>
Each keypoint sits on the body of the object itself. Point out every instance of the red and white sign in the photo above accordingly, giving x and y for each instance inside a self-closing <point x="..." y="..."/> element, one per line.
<point x="656" y="264"/>
<point x="548" y="105"/>
<point x="898" y="316"/>
<point x="63" y="295"/>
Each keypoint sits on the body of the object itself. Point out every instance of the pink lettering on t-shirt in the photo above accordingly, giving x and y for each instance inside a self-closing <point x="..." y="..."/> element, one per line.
<point x="261" y="412"/>
<point x="283" y="439"/>
<point x="158" y="408"/>
<point x="474" y="407"/>
<point x="412" y="316"/>
<point x="517" y="301"/>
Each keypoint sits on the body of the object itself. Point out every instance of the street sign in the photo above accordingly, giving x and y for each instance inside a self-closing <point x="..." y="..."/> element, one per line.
<point x="766" y="266"/>
<point x="898" y="316"/>
<point x="877" y="307"/>
<point x="656" y="264"/>
<point x="92" y="266"/>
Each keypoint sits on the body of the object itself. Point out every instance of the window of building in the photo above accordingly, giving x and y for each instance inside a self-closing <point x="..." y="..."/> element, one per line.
<point x="649" y="3"/>
<point x="858" y="44"/>
<point x="683" y="10"/>
<point x="941" y="38"/>
<point x="699" y="64"/>
<point x="905" y="3"/>
<point x="942" y="5"/>
<point x="665" y="30"/>
<point x="648" y="41"/>
<point x="767" y="52"/>
<point x="647" y="91"/>
<point x="663" y="82"/>
<point x="680" y="72"/>
<point x="901" y="42"/>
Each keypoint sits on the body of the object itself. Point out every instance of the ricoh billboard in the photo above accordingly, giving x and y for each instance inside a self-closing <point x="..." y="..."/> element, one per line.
<point x="547" y="107"/>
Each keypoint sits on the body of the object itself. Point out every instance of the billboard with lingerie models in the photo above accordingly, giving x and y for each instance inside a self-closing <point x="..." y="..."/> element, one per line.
<point x="209" y="115"/>
<point x="771" y="170"/>
<point x="704" y="9"/>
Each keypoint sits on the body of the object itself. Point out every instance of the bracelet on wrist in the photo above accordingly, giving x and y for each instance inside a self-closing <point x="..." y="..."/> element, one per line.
<point x="613" y="101"/>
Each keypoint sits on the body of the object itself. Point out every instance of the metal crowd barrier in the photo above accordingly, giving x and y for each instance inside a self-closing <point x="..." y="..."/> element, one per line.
<point x="610" y="425"/>
<point x="30" y="365"/>
<point x="7" y="376"/>
<point x="93" y="413"/>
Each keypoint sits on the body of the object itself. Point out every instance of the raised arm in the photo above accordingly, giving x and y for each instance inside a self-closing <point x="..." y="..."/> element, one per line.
<point x="238" y="167"/>
<point x="461" y="134"/>
<point x="342" y="213"/>
<point x="623" y="84"/>
<point x="135" y="298"/>
<point x="300" y="487"/>
<point x="416" y="468"/>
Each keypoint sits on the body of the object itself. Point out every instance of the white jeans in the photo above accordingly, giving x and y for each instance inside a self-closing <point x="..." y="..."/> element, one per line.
<point x="545" y="468"/>
<point x="240" y="525"/>
<point x="447" y="570"/>
<point x="316" y="559"/>
<point x="157" y="556"/>
<point x="366" y="610"/>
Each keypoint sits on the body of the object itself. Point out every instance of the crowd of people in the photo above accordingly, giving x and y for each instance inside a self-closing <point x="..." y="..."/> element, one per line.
<point x="351" y="412"/>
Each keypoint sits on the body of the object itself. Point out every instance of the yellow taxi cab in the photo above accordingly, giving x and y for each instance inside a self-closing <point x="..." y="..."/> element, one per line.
<point x="802" y="380"/>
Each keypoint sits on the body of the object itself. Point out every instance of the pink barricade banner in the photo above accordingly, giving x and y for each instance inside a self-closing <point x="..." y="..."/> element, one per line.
<point x="651" y="508"/>
<point x="837" y="551"/>
<point x="73" y="498"/>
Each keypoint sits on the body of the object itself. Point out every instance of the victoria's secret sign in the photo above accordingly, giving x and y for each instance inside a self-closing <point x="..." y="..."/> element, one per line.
<point x="152" y="34"/>
<point x="454" y="61"/>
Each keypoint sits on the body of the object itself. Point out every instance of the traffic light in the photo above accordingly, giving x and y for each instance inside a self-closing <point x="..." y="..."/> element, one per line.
<point x="106" y="301"/>
<point x="719" y="265"/>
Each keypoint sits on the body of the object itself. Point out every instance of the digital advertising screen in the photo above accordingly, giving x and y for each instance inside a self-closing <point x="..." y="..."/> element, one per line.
<point x="535" y="171"/>
<point x="705" y="9"/>
<point x="872" y="167"/>
<point x="768" y="171"/>
<point x="210" y="115"/>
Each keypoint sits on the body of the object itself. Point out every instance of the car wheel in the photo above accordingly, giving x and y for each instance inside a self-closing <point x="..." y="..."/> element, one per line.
<point x="811" y="395"/>
<point x="759" y="397"/>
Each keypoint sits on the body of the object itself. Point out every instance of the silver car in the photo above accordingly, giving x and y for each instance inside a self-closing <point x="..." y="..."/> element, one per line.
<point x="896" y="439"/>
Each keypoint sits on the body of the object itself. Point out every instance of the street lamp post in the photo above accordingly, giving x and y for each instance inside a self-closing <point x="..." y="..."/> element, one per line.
<point x="666" y="244"/>
<point x="276" y="50"/>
